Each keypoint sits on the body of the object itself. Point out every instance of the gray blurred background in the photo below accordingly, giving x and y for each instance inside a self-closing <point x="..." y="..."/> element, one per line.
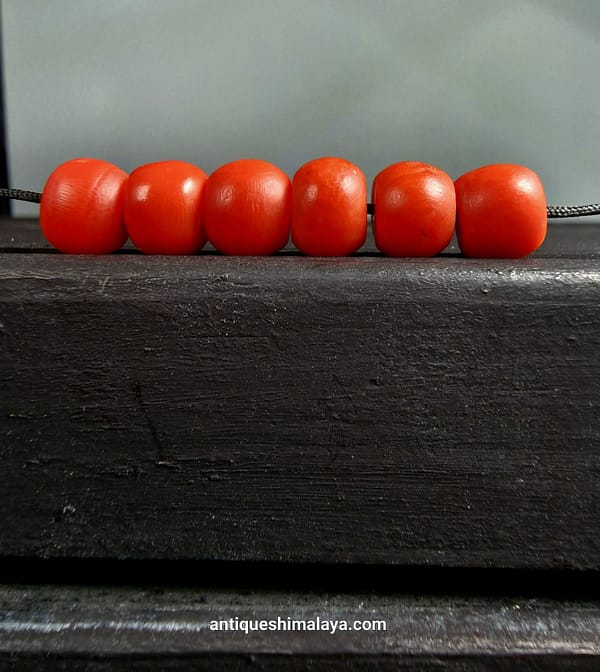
<point x="456" y="83"/>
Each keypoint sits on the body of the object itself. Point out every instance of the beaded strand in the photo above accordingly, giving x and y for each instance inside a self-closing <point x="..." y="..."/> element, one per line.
<point x="250" y="207"/>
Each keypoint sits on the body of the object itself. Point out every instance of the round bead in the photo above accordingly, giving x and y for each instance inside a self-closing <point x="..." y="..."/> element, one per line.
<point x="81" y="210"/>
<point x="247" y="208"/>
<point x="501" y="212"/>
<point x="415" y="210"/>
<point x="329" y="207"/>
<point x="163" y="208"/>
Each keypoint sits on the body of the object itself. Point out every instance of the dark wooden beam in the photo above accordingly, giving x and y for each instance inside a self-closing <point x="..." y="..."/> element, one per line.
<point x="59" y="628"/>
<point x="434" y="412"/>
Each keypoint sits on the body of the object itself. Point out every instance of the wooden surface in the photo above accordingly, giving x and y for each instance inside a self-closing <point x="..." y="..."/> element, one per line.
<point x="360" y="410"/>
<point x="66" y="627"/>
<point x="206" y="414"/>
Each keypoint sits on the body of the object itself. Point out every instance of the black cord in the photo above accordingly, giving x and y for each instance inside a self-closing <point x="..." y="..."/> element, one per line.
<point x="558" y="211"/>
<point x="554" y="211"/>
<point x="21" y="195"/>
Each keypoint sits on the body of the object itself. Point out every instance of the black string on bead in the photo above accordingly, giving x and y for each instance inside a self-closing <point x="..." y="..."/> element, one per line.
<point x="21" y="195"/>
<point x="553" y="211"/>
<point x="560" y="211"/>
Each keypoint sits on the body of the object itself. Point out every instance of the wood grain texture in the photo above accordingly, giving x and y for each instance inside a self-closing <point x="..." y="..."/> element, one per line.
<point x="421" y="412"/>
<point x="55" y="628"/>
